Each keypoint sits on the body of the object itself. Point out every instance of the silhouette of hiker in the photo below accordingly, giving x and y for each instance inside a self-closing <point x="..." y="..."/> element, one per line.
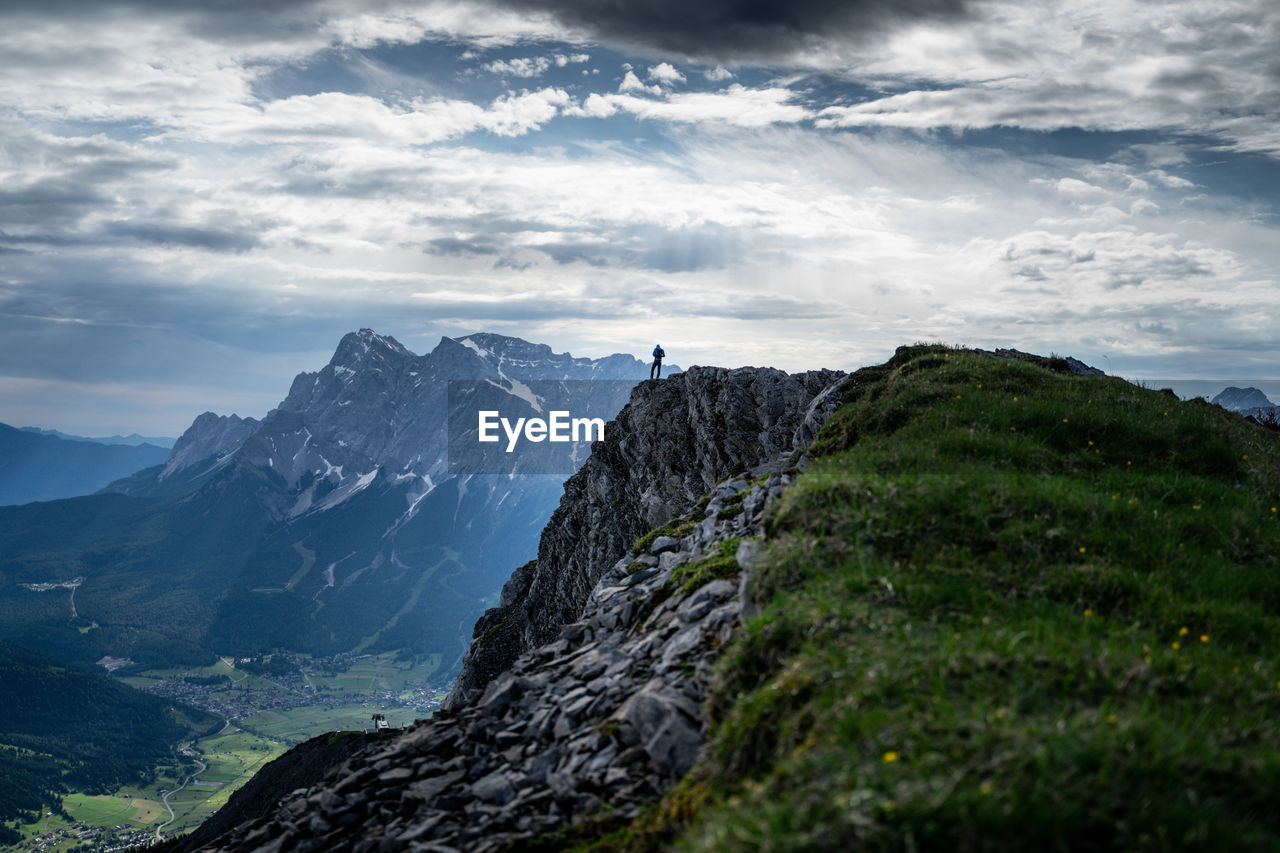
<point x="656" y="370"/>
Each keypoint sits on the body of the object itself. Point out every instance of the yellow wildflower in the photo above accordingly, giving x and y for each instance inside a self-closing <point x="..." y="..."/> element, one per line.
<point x="890" y="757"/>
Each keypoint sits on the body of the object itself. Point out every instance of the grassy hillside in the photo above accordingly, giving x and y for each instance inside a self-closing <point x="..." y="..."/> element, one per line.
<point x="1005" y="609"/>
<point x="63" y="728"/>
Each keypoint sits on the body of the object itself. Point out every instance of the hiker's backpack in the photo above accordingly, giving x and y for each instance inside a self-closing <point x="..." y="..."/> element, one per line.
<point x="658" y="353"/>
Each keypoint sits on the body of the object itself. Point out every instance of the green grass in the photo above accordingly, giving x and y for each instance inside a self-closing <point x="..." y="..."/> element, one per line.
<point x="677" y="527"/>
<point x="1004" y="609"/>
<point x="300" y="724"/>
<point x="232" y="756"/>
<point x="721" y="563"/>
<point x="385" y="671"/>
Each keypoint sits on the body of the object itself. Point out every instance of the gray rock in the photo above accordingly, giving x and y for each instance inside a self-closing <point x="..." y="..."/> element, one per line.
<point x="671" y="559"/>
<point x="703" y="599"/>
<point x="681" y="643"/>
<point x="664" y="732"/>
<point x="495" y="788"/>
<point x="663" y="544"/>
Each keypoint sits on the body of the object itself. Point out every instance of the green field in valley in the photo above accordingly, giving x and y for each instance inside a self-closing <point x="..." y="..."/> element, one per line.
<point x="196" y="783"/>
<point x="269" y="711"/>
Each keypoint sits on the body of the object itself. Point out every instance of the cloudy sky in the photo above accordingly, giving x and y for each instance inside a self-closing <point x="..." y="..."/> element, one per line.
<point x="199" y="198"/>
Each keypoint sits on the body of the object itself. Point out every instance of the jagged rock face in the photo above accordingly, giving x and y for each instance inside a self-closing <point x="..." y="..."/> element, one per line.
<point x="672" y="442"/>
<point x="1242" y="399"/>
<point x="374" y="408"/>
<point x="346" y="510"/>
<point x="597" y="723"/>
<point x="209" y="438"/>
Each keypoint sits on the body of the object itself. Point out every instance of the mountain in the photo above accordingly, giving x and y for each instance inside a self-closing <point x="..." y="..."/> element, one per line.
<point x="133" y="439"/>
<point x="1240" y="399"/>
<point x="63" y="727"/>
<point x="332" y="524"/>
<point x="965" y="600"/>
<point x="39" y="467"/>
<point x="682" y="436"/>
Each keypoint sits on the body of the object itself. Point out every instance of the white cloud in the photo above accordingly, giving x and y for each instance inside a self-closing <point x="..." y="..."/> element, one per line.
<point x="631" y="83"/>
<point x="718" y="74"/>
<point x="1113" y="65"/>
<point x="736" y="105"/>
<point x="534" y="66"/>
<point x="524" y="67"/>
<point x="665" y="74"/>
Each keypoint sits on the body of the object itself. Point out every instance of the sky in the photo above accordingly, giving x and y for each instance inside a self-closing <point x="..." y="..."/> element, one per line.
<point x="198" y="199"/>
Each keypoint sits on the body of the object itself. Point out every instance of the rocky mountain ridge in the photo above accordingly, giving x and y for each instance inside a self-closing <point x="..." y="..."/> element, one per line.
<point x="375" y="409"/>
<point x="670" y="445"/>
<point x="589" y="727"/>
<point x="1241" y="399"/>
<point x="332" y="524"/>
<point x="1250" y="403"/>
<point x="601" y="648"/>
<point x="583" y="691"/>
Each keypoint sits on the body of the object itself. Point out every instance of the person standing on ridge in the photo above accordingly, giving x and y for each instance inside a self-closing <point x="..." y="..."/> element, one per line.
<point x="656" y="370"/>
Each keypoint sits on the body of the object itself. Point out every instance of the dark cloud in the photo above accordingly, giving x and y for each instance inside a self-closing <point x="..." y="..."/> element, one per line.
<point x="728" y="30"/>
<point x="49" y="202"/>
<point x="237" y="20"/>
<point x="719" y="30"/>
<point x="461" y="246"/>
<point x="234" y="240"/>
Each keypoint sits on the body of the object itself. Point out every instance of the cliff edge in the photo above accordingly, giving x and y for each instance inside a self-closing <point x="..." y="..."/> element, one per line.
<point x="669" y="446"/>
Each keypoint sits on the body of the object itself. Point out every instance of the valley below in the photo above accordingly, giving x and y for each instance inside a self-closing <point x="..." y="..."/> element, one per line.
<point x="290" y="698"/>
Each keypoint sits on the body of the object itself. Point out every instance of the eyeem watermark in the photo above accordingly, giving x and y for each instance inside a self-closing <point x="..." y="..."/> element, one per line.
<point x="507" y="426"/>
<point x="560" y="426"/>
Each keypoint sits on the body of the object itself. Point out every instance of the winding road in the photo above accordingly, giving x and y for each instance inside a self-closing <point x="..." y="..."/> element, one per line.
<point x="165" y="797"/>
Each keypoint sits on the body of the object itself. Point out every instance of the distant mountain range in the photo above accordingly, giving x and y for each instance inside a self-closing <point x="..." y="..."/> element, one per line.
<point x="1246" y="401"/>
<point x="39" y="466"/>
<point x="332" y="524"/>
<point x="132" y="439"/>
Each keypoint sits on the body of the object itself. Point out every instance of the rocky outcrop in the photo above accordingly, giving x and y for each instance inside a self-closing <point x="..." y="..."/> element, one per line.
<point x="209" y="438"/>
<point x="589" y="727"/>
<point x="1058" y="364"/>
<point x="668" y="446"/>
<point x="1242" y="399"/>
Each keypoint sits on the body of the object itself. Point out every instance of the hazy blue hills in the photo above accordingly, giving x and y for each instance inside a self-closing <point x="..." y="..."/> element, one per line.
<point x="132" y="439"/>
<point x="39" y="467"/>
